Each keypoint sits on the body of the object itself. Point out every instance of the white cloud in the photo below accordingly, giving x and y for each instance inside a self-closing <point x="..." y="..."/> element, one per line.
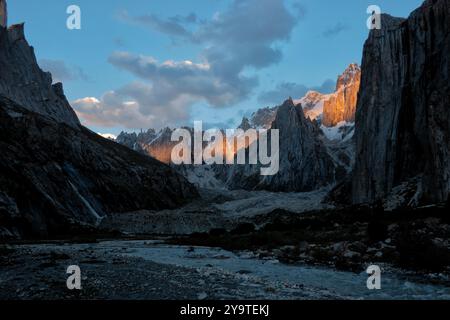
<point x="128" y="107"/>
<point x="245" y="36"/>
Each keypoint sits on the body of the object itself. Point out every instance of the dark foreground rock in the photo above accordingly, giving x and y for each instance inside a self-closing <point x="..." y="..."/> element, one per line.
<point x="56" y="179"/>
<point x="349" y="239"/>
<point x="403" y="114"/>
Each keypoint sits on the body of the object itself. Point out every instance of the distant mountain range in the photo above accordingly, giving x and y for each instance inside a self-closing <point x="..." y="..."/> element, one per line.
<point x="311" y="152"/>
<point x="398" y="102"/>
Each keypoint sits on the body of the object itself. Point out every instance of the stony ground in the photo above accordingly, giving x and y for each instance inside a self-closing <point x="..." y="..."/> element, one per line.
<point x="340" y="239"/>
<point x="39" y="272"/>
<point x="217" y="208"/>
<point x="347" y="239"/>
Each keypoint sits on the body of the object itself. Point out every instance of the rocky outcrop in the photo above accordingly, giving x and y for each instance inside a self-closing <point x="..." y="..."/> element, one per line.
<point x="57" y="177"/>
<point x="22" y="81"/>
<point x="263" y="118"/>
<point x="341" y="105"/>
<point x="130" y="140"/>
<point x="157" y="145"/>
<point x="304" y="162"/>
<point x="161" y="146"/>
<point x="3" y="14"/>
<point x="55" y="180"/>
<point x="245" y="124"/>
<point x="403" y="114"/>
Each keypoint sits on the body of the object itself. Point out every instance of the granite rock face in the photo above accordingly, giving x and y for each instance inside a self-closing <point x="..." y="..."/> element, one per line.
<point x="263" y="118"/>
<point x="22" y="81"/>
<point x="341" y="105"/>
<point x="245" y="124"/>
<point x="131" y="140"/>
<point x="403" y="112"/>
<point x="58" y="178"/>
<point x="305" y="164"/>
<point x="55" y="179"/>
<point x="3" y="14"/>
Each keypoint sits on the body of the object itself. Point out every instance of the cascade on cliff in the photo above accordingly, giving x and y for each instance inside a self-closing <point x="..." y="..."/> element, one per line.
<point x="403" y="114"/>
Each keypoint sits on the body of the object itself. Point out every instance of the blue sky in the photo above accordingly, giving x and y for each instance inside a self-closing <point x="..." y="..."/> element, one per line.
<point x="138" y="64"/>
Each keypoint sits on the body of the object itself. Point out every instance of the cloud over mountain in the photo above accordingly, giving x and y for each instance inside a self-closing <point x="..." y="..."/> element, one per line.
<point x="284" y="90"/>
<point x="235" y="44"/>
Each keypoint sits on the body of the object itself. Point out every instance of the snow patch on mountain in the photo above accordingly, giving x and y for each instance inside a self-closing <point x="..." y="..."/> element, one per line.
<point x="108" y="136"/>
<point x="312" y="104"/>
<point x="343" y="131"/>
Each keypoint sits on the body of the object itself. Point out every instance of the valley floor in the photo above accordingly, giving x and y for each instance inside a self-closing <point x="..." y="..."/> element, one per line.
<point x="217" y="208"/>
<point x="243" y="245"/>
<point x="154" y="270"/>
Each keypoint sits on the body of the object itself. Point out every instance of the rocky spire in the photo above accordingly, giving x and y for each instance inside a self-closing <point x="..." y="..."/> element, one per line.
<point x="22" y="81"/>
<point x="304" y="162"/>
<point x="341" y="106"/>
<point x="245" y="124"/>
<point x="3" y="14"/>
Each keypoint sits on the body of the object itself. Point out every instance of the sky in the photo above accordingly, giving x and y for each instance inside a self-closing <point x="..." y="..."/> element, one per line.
<point x="140" y="64"/>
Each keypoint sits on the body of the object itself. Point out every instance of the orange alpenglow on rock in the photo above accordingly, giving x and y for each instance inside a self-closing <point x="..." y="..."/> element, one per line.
<point x="341" y="106"/>
<point x="3" y="14"/>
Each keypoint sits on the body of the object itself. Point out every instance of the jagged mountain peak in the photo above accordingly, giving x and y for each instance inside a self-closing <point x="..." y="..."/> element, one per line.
<point x="288" y="112"/>
<point x="262" y="118"/>
<point x="289" y="102"/>
<point x="341" y="105"/>
<point x="245" y="124"/>
<point x="22" y="81"/>
<point x="313" y="95"/>
<point x="349" y="76"/>
<point x="304" y="164"/>
<point x="312" y="104"/>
